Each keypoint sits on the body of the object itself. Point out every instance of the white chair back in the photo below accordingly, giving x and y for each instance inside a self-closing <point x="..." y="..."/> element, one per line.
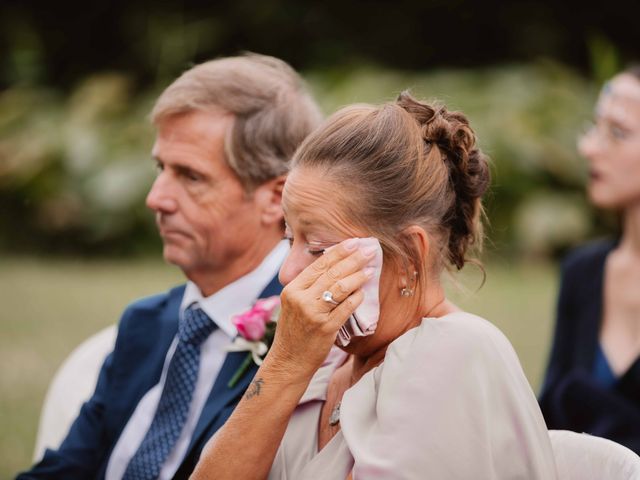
<point x="72" y="385"/>
<point x="585" y="457"/>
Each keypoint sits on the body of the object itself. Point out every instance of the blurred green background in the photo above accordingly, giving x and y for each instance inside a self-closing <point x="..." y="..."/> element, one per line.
<point x="77" y="243"/>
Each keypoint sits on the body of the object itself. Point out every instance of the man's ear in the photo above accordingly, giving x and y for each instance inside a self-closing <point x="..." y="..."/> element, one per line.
<point x="268" y="196"/>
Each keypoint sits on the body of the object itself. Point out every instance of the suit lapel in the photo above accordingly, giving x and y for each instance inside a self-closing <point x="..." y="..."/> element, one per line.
<point x="154" y="331"/>
<point x="221" y="395"/>
<point x="274" y="288"/>
<point x="143" y="349"/>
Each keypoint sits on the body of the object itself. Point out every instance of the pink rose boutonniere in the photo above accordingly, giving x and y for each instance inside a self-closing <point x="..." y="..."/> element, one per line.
<point x="256" y="329"/>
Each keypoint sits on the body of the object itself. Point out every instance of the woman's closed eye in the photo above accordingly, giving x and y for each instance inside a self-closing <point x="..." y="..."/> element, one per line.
<point x="315" y="249"/>
<point x="312" y="248"/>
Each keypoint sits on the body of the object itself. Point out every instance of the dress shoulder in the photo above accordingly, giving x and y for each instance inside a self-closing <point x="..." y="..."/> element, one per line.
<point x="459" y="337"/>
<point x="449" y="401"/>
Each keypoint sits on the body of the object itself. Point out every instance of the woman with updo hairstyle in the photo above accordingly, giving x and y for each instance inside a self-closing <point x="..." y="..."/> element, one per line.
<point x="388" y="196"/>
<point x="593" y="379"/>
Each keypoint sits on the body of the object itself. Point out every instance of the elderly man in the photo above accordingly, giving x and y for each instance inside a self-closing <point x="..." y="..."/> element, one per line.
<point x="225" y="132"/>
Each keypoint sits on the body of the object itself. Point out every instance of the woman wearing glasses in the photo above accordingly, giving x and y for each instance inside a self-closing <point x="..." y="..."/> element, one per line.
<point x="593" y="379"/>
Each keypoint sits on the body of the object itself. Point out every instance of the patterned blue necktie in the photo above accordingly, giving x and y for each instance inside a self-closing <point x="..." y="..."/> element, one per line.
<point x="175" y="400"/>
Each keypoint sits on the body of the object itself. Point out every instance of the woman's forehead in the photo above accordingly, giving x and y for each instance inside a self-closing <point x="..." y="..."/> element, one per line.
<point x="620" y="100"/>
<point x="307" y="188"/>
<point x="310" y="198"/>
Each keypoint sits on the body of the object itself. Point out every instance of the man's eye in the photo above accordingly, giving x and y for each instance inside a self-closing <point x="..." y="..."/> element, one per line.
<point x="192" y="176"/>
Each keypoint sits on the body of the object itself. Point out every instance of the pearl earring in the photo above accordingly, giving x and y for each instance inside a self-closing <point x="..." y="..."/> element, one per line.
<point x="406" y="291"/>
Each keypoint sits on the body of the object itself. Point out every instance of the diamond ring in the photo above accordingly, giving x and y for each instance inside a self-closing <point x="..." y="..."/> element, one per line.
<point x="327" y="296"/>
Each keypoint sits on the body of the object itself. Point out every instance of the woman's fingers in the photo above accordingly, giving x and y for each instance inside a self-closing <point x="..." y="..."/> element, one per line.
<point x="334" y="276"/>
<point x="310" y="275"/>
<point x="342" y="288"/>
<point x="339" y="315"/>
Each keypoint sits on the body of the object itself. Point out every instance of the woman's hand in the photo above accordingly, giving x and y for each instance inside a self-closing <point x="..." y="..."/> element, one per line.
<point x="307" y="328"/>
<point x="308" y="325"/>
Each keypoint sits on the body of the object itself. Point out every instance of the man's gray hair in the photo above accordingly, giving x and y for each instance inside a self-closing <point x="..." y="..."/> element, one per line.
<point x="272" y="108"/>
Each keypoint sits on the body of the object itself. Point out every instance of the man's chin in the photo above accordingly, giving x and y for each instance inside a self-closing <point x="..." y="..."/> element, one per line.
<point x="175" y="257"/>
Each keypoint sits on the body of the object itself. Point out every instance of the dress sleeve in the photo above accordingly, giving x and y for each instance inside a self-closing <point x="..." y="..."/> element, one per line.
<point x="450" y="401"/>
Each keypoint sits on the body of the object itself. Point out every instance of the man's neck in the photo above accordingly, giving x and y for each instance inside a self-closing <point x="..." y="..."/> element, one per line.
<point x="210" y="282"/>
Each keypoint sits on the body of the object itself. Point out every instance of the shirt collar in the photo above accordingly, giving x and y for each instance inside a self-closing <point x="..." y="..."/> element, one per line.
<point x="240" y="295"/>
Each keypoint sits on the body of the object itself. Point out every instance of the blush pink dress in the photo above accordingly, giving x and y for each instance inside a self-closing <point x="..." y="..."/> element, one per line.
<point x="450" y="401"/>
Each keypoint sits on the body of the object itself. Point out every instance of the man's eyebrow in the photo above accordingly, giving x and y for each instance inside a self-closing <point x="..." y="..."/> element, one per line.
<point x="157" y="160"/>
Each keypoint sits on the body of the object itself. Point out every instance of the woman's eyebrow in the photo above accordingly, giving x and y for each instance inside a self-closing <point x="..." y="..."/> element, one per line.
<point x="315" y="224"/>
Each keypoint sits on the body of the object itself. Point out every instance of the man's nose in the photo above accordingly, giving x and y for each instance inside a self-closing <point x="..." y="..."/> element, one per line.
<point x="161" y="197"/>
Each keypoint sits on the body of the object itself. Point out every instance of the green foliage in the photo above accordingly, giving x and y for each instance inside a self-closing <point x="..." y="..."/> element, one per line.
<point x="605" y="57"/>
<point x="75" y="169"/>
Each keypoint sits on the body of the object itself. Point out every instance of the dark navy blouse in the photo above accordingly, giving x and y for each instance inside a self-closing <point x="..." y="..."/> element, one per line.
<point x="580" y="391"/>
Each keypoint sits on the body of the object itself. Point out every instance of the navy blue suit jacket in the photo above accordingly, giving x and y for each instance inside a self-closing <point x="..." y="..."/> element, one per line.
<point x="146" y="331"/>
<point x="571" y="398"/>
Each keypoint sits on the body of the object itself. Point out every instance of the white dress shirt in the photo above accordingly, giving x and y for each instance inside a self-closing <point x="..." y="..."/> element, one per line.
<point x="233" y="299"/>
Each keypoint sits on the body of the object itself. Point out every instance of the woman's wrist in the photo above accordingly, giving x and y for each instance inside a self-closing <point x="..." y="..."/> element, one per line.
<point x="285" y="369"/>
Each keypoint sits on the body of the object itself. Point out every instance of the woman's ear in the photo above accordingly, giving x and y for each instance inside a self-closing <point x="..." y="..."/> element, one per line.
<point x="417" y="240"/>
<point x="268" y="196"/>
